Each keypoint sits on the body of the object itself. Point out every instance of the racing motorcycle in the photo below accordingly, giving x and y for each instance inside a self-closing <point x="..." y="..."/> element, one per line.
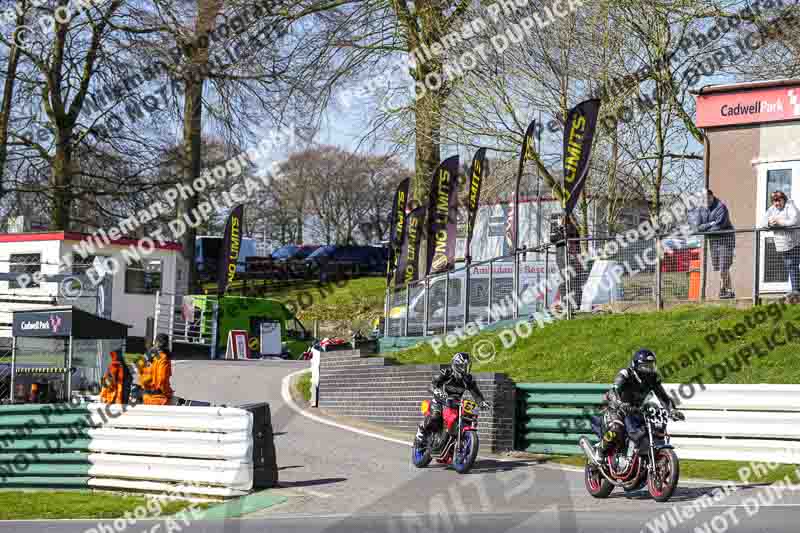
<point x="636" y="460"/>
<point x="456" y="442"/>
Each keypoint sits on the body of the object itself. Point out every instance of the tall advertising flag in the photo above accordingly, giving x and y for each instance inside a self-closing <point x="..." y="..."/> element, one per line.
<point x="578" y="136"/>
<point x="442" y="216"/>
<point x="475" y="182"/>
<point x="396" y="230"/>
<point x="525" y="155"/>
<point x="231" y="243"/>
<point x="408" y="263"/>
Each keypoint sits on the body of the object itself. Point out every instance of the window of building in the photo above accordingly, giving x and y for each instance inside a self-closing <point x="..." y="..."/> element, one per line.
<point x="80" y="264"/>
<point x="24" y="264"/>
<point x="143" y="277"/>
<point x="778" y="180"/>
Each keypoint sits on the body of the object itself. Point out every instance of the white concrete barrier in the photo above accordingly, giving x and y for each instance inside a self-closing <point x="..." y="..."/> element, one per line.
<point x="199" y="450"/>
<point x="756" y="422"/>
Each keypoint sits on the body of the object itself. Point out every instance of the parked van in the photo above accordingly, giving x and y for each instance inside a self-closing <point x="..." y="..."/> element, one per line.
<point x="206" y="255"/>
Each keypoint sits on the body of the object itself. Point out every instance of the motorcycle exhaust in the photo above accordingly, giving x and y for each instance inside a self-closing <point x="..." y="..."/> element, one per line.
<point x="588" y="450"/>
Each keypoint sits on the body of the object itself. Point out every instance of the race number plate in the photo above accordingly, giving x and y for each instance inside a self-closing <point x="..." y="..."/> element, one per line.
<point x="469" y="406"/>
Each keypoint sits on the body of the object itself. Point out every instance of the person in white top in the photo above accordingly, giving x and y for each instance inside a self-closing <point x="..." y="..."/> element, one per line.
<point x="780" y="216"/>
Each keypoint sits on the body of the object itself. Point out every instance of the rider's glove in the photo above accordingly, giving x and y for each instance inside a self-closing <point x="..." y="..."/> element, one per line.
<point x="677" y="415"/>
<point x="484" y="404"/>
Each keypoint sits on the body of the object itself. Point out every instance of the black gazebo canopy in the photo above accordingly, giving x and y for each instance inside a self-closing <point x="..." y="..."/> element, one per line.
<point x="65" y="321"/>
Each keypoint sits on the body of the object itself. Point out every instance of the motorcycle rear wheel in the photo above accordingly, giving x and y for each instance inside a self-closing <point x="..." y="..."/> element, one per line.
<point x="597" y="485"/>
<point x="668" y="472"/>
<point x="464" y="459"/>
<point x="420" y="456"/>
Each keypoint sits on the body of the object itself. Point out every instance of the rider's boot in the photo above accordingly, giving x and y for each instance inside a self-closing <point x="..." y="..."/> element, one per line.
<point x="420" y="438"/>
<point x="601" y="448"/>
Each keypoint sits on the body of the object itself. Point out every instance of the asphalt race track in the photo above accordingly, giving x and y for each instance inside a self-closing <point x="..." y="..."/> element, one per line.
<point x="338" y="481"/>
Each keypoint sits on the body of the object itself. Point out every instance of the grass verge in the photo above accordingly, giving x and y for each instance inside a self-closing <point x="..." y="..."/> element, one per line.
<point x="25" y="505"/>
<point x="717" y="470"/>
<point x="303" y="385"/>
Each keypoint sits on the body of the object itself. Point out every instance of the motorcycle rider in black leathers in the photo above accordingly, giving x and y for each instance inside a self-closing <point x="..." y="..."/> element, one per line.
<point x="452" y="382"/>
<point x="631" y="386"/>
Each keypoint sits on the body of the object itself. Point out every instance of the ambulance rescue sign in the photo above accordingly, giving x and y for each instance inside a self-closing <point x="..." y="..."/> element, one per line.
<point x="748" y="107"/>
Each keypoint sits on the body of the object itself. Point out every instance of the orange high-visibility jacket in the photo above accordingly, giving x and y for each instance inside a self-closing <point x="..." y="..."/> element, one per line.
<point x="154" y="380"/>
<point x="113" y="382"/>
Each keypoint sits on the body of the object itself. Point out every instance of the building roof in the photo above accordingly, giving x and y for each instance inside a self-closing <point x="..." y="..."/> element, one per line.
<point x="744" y="86"/>
<point x="100" y="239"/>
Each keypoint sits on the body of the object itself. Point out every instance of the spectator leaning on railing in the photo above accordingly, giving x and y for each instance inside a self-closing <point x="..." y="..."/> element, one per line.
<point x="560" y="232"/>
<point x="715" y="217"/>
<point x="780" y="215"/>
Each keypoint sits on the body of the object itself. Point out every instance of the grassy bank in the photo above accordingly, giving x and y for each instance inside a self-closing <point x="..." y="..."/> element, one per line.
<point x="593" y="349"/>
<point x="358" y="299"/>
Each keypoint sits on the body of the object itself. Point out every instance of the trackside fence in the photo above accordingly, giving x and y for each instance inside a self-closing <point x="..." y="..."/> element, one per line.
<point x="594" y="274"/>
<point x="723" y="422"/>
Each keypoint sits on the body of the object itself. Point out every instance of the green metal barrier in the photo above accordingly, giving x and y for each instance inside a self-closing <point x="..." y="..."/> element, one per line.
<point x="44" y="445"/>
<point x="551" y="417"/>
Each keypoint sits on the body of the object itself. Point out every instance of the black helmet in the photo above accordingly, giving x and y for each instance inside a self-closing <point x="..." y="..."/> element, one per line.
<point x="161" y="342"/>
<point x="644" y="361"/>
<point x="461" y="363"/>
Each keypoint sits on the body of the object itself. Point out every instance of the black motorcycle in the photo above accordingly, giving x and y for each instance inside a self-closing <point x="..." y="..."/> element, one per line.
<point x="635" y="460"/>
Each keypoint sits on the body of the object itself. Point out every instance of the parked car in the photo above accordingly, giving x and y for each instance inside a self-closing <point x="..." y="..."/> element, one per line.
<point x="348" y="260"/>
<point x="294" y="252"/>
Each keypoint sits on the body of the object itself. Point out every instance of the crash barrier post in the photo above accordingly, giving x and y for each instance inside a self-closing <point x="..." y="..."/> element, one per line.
<point x="723" y="422"/>
<point x="265" y="465"/>
<point x="198" y="450"/>
<point x="44" y="445"/>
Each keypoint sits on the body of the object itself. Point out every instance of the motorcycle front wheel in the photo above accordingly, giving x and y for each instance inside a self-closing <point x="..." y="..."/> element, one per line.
<point x="597" y="485"/>
<point x="465" y="457"/>
<point x="420" y="455"/>
<point x="667" y="471"/>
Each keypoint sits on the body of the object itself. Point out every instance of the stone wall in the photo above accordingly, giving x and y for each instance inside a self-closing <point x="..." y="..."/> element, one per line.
<point x="373" y="390"/>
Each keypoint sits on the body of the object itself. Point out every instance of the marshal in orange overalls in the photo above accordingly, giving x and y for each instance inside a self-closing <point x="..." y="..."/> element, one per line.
<point x="114" y="382"/>
<point x="154" y="380"/>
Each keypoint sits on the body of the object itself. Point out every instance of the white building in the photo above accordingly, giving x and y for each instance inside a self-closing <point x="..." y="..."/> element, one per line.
<point x="493" y="225"/>
<point x="127" y="295"/>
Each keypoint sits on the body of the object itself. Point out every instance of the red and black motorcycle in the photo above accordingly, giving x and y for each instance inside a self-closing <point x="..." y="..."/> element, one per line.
<point x="631" y="465"/>
<point x="456" y="442"/>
